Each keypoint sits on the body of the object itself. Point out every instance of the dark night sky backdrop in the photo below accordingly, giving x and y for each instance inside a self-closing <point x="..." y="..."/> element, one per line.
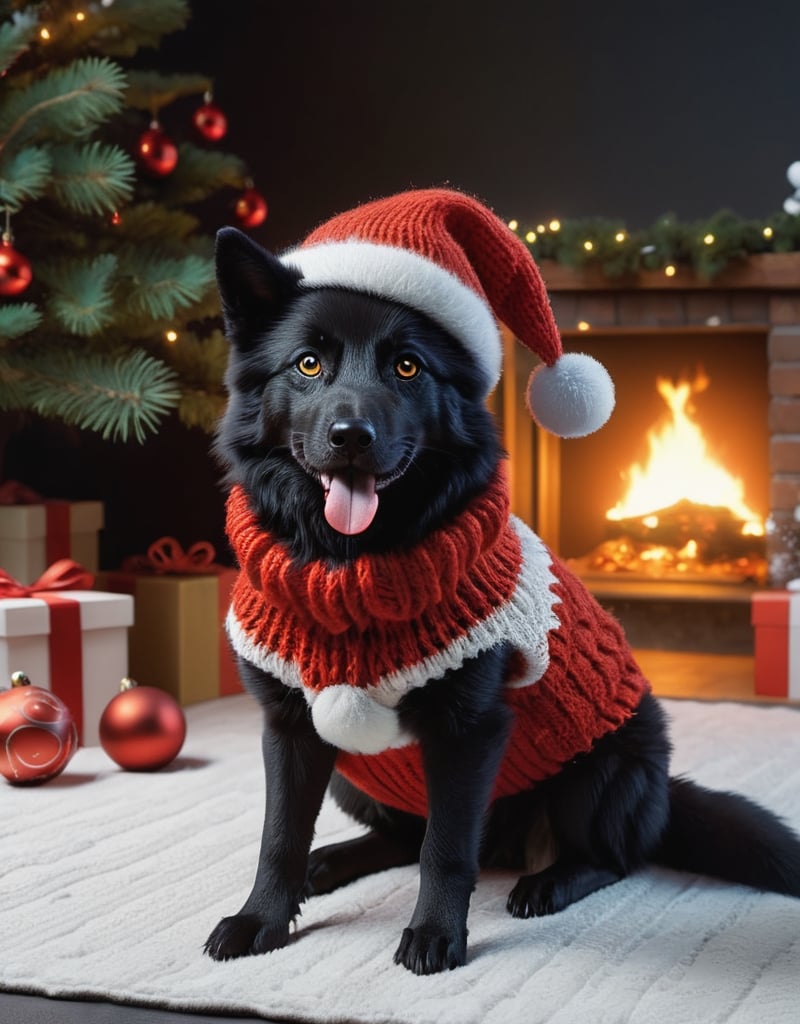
<point x="576" y="108"/>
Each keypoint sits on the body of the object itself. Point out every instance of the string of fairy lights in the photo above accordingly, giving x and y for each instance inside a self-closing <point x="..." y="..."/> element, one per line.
<point x="546" y="241"/>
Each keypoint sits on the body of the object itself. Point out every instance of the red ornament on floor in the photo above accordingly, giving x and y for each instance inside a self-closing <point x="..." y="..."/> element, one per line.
<point x="251" y="208"/>
<point x="15" y="270"/>
<point x="210" y="122"/>
<point x="157" y="153"/>
<point x="38" y="735"/>
<point x="142" y="728"/>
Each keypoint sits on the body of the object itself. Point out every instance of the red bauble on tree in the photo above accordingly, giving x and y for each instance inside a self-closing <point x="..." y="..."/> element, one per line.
<point x="38" y="735"/>
<point x="142" y="728"/>
<point x="15" y="270"/>
<point x="209" y="120"/>
<point x="157" y="153"/>
<point x="251" y="208"/>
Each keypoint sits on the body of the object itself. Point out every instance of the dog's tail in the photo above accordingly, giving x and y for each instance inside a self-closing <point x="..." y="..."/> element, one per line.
<point x="727" y="836"/>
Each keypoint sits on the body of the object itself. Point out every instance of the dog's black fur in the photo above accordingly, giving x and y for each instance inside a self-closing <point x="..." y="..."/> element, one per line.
<point x="433" y="446"/>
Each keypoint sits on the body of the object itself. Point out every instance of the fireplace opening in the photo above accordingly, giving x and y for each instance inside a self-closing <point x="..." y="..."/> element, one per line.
<point x="675" y="487"/>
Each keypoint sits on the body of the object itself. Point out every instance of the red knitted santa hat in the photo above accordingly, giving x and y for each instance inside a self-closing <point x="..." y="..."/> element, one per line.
<point x="445" y="254"/>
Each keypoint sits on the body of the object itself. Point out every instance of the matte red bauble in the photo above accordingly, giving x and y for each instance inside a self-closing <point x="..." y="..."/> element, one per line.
<point x="38" y="735"/>
<point x="158" y="154"/>
<point x="210" y="122"/>
<point x="15" y="270"/>
<point x="142" y="728"/>
<point x="251" y="208"/>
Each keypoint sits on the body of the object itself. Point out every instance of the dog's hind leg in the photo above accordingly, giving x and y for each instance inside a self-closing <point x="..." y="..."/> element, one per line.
<point x="337" y="864"/>
<point x="607" y="812"/>
<point x="394" y="840"/>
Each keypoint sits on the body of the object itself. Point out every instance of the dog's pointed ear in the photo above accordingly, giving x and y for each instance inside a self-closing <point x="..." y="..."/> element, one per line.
<point x="253" y="284"/>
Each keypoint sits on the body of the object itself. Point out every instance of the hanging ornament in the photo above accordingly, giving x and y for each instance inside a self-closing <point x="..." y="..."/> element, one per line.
<point x="142" y="728"/>
<point x="251" y="208"/>
<point x="157" y="153"/>
<point x="38" y="735"/>
<point x="209" y="120"/>
<point x="15" y="269"/>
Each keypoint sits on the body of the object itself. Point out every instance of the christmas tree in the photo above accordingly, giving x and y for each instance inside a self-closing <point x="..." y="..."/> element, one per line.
<point x="107" y="298"/>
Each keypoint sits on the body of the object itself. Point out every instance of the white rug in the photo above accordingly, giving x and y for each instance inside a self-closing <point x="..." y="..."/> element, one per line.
<point x="110" y="883"/>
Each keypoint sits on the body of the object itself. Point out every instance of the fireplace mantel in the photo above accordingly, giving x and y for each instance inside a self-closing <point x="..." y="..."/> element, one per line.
<point x="760" y="294"/>
<point x="778" y="271"/>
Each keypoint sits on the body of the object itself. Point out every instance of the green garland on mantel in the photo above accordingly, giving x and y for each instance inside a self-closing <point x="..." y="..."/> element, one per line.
<point x="705" y="246"/>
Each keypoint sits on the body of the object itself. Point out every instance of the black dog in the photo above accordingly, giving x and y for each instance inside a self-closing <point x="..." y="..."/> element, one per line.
<point x="357" y="427"/>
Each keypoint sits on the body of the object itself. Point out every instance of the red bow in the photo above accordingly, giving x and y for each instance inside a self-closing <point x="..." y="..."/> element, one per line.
<point x="12" y="492"/>
<point x="61" y="575"/>
<point x="166" y="555"/>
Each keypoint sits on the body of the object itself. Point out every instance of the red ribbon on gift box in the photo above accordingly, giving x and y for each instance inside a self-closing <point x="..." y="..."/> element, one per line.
<point x="166" y="555"/>
<point x="12" y="492"/>
<point x="65" y="642"/>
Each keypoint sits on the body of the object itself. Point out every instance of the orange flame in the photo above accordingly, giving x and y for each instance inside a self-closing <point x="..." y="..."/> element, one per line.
<point x="680" y="468"/>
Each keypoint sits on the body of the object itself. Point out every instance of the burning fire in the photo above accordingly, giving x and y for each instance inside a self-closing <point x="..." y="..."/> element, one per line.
<point x="680" y="469"/>
<point x="683" y="515"/>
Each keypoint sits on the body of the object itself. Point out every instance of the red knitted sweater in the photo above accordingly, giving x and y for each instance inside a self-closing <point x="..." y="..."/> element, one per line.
<point x="357" y="638"/>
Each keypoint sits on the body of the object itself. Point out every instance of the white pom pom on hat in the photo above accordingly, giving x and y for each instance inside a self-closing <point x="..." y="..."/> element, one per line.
<point x="447" y="255"/>
<point x="573" y="397"/>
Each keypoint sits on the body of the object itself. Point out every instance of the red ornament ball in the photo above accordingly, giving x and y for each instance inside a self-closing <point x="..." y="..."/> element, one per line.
<point x="210" y="122"/>
<point x="15" y="270"/>
<point x="142" y="728"/>
<point x="38" y="735"/>
<point x="157" y="153"/>
<point x="251" y="208"/>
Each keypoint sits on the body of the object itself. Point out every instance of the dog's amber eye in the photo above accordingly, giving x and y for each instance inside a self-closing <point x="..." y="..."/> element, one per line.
<point x="406" y="369"/>
<point x="309" y="365"/>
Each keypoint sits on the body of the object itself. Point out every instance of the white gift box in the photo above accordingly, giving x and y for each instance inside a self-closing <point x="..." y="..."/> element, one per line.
<point x="32" y="537"/>
<point x="26" y="645"/>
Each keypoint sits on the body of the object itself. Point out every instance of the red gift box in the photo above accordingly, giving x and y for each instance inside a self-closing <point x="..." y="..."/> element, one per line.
<point x="775" y="615"/>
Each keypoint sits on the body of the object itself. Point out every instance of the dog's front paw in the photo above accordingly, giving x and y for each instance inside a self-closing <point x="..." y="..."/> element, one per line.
<point x="429" y="950"/>
<point x="244" y="935"/>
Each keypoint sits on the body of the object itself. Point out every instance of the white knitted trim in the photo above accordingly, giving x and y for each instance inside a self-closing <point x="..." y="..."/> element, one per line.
<point x="525" y="620"/>
<point x="405" y="276"/>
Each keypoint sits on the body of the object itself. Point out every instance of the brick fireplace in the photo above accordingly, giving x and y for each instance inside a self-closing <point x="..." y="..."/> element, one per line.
<point x="753" y="308"/>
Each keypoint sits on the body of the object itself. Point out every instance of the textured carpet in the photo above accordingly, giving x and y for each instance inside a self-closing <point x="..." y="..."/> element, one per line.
<point x="110" y="883"/>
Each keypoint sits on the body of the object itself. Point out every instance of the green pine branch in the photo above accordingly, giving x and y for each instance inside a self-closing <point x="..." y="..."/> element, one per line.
<point x="152" y="90"/>
<point x="121" y="399"/>
<point x="24" y="176"/>
<point x="18" y="319"/>
<point x="93" y="177"/>
<point x="69" y="102"/>
<point x="201" y="173"/>
<point x="16" y="35"/>
<point x="162" y="287"/>
<point x="81" y="293"/>
<point x="149" y="222"/>
<point x="129" y="25"/>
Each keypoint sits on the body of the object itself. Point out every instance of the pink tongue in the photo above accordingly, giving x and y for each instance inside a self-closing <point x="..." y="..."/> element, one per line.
<point x="350" y="502"/>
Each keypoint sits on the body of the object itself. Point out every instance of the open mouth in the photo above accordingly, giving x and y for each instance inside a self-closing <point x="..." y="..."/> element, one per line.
<point x="352" y="495"/>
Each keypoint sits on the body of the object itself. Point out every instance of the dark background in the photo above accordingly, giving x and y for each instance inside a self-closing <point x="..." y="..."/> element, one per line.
<point x="573" y="108"/>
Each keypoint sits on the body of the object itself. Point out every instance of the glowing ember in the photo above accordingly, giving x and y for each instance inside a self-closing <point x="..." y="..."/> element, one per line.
<point x="680" y="468"/>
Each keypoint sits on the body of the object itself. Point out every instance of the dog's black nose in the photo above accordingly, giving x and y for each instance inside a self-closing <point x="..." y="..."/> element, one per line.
<point x="351" y="436"/>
